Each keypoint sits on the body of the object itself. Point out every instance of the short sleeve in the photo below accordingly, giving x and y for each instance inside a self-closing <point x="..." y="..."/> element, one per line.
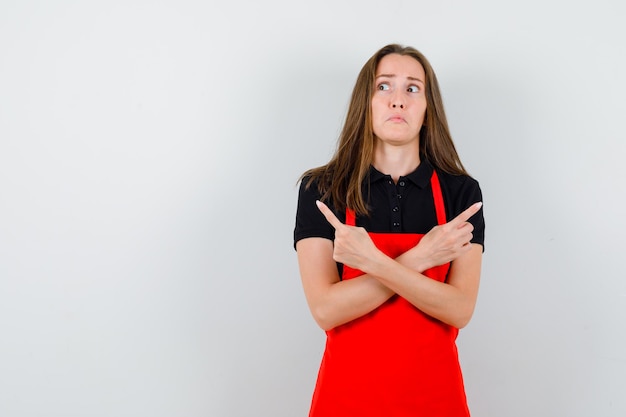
<point x="462" y="192"/>
<point x="310" y="222"/>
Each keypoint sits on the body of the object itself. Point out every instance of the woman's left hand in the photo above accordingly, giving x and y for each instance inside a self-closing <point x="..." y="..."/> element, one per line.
<point x="352" y="245"/>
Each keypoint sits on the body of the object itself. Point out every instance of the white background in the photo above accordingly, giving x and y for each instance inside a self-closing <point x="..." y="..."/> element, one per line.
<point x="149" y="153"/>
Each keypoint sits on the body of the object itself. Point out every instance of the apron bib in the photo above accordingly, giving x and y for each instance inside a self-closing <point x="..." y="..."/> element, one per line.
<point x="394" y="361"/>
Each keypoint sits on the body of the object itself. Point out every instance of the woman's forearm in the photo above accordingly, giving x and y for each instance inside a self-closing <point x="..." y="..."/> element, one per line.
<point x="452" y="302"/>
<point x="334" y="302"/>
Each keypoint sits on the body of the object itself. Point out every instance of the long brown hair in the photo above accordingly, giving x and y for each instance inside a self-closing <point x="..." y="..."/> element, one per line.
<point x="342" y="177"/>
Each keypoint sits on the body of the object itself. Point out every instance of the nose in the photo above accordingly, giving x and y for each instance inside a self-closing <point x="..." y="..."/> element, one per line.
<point x="397" y="101"/>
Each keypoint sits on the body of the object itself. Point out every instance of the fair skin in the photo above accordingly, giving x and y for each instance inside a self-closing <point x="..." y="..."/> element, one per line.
<point x="398" y="110"/>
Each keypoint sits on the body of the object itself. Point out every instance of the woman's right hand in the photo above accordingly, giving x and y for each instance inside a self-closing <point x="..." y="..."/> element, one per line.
<point x="353" y="245"/>
<point x="443" y="243"/>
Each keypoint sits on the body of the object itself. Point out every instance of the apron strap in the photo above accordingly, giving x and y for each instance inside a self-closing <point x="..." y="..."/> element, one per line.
<point x="438" y="197"/>
<point x="350" y="217"/>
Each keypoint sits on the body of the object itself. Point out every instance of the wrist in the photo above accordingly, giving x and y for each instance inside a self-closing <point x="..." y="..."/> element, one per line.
<point x="414" y="261"/>
<point x="375" y="263"/>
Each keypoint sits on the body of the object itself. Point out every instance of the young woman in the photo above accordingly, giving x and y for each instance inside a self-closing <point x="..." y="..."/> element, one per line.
<point x="389" y="236"/>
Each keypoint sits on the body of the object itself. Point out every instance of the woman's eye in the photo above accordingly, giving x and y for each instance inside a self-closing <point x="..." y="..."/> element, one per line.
<point x="413" y="89"/>
<point x="383" y="86"/>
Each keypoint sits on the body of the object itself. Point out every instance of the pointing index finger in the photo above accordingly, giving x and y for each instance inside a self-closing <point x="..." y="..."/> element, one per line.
<point x="469" y="212"/>
<point x="330" y="216"/>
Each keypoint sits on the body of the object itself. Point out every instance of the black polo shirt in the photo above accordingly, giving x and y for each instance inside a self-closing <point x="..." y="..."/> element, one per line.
<point x="403" y="207"/>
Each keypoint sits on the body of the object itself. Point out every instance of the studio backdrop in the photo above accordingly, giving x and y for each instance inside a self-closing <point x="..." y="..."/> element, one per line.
<point x="149" y="158"/>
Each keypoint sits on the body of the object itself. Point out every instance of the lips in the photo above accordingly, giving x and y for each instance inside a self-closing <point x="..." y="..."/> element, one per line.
<point x="396" y="119"/>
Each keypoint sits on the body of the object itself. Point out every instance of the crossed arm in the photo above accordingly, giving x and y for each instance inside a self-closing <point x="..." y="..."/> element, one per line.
<point x="333" y="302"/>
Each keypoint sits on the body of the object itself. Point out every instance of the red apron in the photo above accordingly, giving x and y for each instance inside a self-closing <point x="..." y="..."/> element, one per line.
<point x="394" y="361"/>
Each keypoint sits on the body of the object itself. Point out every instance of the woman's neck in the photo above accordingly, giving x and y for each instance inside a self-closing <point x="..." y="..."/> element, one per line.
<point x="396" y="161"/>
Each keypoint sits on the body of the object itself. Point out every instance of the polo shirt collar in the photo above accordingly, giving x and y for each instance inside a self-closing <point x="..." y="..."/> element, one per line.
<point x="420" y="177"/>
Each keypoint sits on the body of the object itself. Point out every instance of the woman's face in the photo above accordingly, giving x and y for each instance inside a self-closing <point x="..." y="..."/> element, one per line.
<point x="399" y="100"/>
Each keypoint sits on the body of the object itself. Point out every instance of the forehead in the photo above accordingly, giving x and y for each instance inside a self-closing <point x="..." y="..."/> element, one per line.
<point x="400" y="66"/>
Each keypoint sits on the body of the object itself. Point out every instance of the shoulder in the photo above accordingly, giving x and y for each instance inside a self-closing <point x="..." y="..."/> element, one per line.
<point x="459" y="188"/>
<point x="308" y="192"/>
<point x="457" y="182"/>
<point x="309" y="189"/>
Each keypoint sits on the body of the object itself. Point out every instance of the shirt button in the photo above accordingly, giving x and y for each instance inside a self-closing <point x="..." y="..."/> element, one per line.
<point x="389" y="182"/>
<point x="401" y="183"/>
<point x="395" y="208"/>
<point x="396" y="224"/>
<point x="399" y="196"/>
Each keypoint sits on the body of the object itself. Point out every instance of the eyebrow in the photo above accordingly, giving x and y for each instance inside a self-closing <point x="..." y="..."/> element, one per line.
<point x="393" y="75"/>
